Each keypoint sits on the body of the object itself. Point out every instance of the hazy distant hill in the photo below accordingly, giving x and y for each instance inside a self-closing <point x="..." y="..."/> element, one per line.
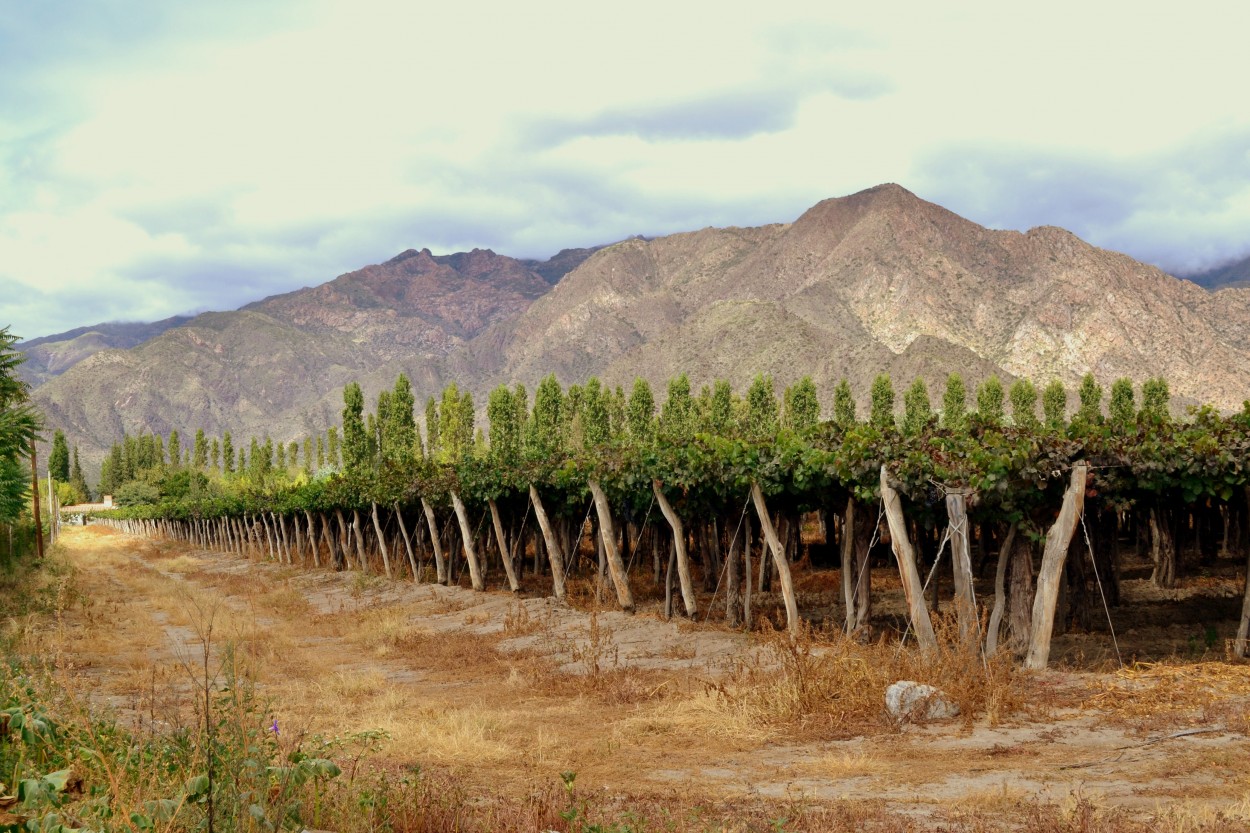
<point x="877" y="281"/>
<point x="52" y="355"/>
<point x="1235" y="274"/>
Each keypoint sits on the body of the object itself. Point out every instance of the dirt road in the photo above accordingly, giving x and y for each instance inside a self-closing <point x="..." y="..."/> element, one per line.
<point x="511" y="692"/>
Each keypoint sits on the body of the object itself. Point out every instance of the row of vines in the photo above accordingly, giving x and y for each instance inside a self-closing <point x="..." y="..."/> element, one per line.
<point x="713" y="492"/>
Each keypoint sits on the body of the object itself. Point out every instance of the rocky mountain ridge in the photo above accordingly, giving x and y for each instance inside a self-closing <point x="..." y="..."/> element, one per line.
<point x="879" y="281"/>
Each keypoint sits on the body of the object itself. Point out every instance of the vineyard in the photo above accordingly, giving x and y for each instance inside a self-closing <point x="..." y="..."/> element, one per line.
<point x="716" y="497"/>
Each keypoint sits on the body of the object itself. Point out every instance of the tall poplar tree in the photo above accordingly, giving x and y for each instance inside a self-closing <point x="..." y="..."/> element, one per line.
<point x="355" y="443"/>
<point x="843" y="405"/>
<point x="1055" y="406"/>
<point x="640" y="414"/>
<point x="955" y="403"/>
<point x="917" y="411"/>
<point x="802" y="406"/>
<point x="882" y="400"/>
<point x="58" y="457"/>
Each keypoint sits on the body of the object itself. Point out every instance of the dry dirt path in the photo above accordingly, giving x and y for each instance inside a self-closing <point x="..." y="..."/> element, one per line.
<point x="511" y="692"/>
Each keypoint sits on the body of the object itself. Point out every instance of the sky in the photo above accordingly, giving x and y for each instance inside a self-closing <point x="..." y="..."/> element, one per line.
<point x="161" y="157"/>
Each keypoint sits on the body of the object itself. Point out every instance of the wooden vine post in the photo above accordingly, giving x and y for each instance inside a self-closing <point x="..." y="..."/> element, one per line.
<point x="1240" y="646"/>
<point x="679" y="547"/>
<point x="440" y="566"/>
<point x="779" y="559"/>
<point x="34" y="476"/>
<point x="607" y="534"/>
<point x="1000" y="592"/>
<point x="554" y="553"/>
<point x="1053" y="557"/>
<point x="906" y="558"/>
<point x="961" y="557"/>
<point x="403" y="531"/>
<point x="377" y="528"/>
<point x="466" y="535"/>
<point x="505" y="551"/>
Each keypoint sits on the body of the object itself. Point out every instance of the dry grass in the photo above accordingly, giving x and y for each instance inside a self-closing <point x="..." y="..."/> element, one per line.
<point x="827" y="685"/>
<point x="495" y="717"/>
<point x="1146" y="695"/>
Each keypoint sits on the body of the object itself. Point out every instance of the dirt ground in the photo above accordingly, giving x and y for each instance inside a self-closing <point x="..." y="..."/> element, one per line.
<point x="510" y="692"/>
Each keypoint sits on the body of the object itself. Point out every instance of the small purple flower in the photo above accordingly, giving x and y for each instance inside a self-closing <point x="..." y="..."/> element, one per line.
<point x="274" y="727"/>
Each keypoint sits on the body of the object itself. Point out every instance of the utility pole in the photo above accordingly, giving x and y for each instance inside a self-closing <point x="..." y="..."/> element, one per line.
<point x="34" y="491"/>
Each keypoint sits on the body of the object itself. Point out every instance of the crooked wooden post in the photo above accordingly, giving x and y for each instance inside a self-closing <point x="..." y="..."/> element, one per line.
<point x="779" y="559"/>
<point x="1240" y="645"/>
<point x="1000" y="592"/>
<point x="679" y="544"/>
<point x="377" y="527"/>
<point x="1053" y="557"/>
<point x="913" y="589"/>
<point x="607" y="534"/>
<point x="554" y="553"/>
<point x="961" y="557"/>
<point x="403" y="531"/>
<point x="440" y="566"/>
<point x="466" y="535"/>
<point x="505" y="551"/>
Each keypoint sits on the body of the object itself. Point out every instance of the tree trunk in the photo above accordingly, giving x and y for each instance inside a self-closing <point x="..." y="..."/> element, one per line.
<point x="607" y="534"/>
<point x="440" y="565"/>
<point x="1053" y="557"/>
<point x="555" y="555"/>
<point x="679" y="543"/>
<point x="466" y="535"/>
<point x="779" y="557"/>
<point x="906" y="558"/>
<point x="1000" y="592"/>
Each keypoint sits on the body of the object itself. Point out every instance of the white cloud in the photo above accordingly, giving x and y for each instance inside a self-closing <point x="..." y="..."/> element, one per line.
<point x="281" y="145"/>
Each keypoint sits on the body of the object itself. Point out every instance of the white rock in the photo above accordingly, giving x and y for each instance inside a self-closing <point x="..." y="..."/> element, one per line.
<point x="910" y="700"/>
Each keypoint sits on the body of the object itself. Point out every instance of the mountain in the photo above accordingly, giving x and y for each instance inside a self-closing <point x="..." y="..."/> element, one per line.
<point x="52" y="355"/>
<point x="879" y="281"/>
<point x="1235" y="274"/>
<point x="278" y="366"/>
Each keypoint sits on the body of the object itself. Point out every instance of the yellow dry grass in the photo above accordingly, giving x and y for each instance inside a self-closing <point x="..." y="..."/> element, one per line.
<point x="1146" y="694"/>
<point x="367" y="656"/>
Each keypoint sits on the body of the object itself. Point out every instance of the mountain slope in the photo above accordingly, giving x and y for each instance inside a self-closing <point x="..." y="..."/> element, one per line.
<point x="278" y="366"/>
<point x="870" y="283"/>
<point x="879" y="281"/>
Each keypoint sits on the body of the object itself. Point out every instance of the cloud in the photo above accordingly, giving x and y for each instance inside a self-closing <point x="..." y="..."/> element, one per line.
<point x="1185" y="209"/>
<point x="161" y="157"/>
<point x="725" y="114"/>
